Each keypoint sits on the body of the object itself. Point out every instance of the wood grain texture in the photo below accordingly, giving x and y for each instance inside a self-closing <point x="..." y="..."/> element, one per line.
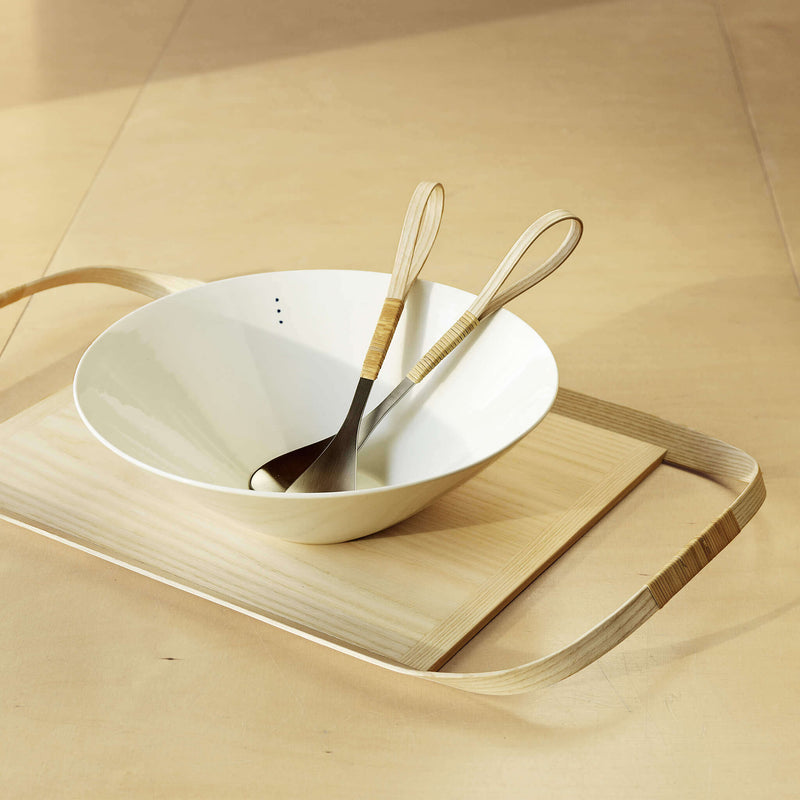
<point x="490" y="298"/>
<point x="410" y="595"/>
<point x="447" y="342"/>
<point x="696" y="555"/>
<point x="420" y="226"/>
<point x="151" y="284"/>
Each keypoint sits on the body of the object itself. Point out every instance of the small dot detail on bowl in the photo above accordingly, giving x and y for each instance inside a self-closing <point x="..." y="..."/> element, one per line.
<point x="277" y="300"/>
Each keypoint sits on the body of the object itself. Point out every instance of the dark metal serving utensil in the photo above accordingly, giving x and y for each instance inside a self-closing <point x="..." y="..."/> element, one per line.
<point x="287" y="468"/>
<point x="334" y="470"/>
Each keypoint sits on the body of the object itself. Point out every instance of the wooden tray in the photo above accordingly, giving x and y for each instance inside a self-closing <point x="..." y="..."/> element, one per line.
<point x="405" y="599"/>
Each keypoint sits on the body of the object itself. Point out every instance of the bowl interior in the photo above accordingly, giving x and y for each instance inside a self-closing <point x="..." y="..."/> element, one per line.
<point x="208" y="384"/>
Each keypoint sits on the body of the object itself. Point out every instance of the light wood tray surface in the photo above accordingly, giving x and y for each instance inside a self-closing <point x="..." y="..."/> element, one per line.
<point x="412" y="594"/>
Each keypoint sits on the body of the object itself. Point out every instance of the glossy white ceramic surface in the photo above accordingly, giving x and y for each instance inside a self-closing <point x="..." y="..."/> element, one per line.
<point x="205" y="385"/>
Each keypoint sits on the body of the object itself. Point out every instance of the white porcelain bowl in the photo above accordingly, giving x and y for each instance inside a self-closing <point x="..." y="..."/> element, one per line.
<point x="203" y="386"/>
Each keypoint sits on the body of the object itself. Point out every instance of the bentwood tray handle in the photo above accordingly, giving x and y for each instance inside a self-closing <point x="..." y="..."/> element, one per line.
<point x="684" y="448"/>
<point x="152" y="284"/>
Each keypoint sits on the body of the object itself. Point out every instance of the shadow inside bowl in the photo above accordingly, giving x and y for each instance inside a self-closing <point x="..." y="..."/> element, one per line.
<point x="268" y="404"/>
<point x="144" y="410"/>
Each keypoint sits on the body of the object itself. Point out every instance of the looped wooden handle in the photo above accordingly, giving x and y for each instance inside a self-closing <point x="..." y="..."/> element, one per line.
<point x="420" y="226"/>
<point x="489" y="301"/>
<point x="151" y="284"/>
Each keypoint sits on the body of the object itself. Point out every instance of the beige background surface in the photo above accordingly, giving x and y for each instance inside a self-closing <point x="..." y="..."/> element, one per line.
<point x="209" y="139"/>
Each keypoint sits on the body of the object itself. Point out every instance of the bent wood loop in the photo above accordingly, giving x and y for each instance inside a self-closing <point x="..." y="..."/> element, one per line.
<point x="684" y="448"/>
<point x="490" y="299"/>
<point x="420" y="226"/>
<point x="151" y="284"/>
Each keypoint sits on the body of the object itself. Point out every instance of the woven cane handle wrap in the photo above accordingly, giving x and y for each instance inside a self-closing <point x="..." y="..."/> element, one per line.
<point x="381" y="338"/>
<point x="458" y="331"/>
<point x="691" y="450"/>
<point x="696" y="555"/>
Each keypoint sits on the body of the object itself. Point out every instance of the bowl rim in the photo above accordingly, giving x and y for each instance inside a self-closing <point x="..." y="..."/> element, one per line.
<point x="299" y="496"/>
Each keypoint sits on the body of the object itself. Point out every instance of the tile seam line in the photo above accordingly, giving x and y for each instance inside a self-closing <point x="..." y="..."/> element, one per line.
<point x="740" y="88"/>
<point x="103" y="161"/>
